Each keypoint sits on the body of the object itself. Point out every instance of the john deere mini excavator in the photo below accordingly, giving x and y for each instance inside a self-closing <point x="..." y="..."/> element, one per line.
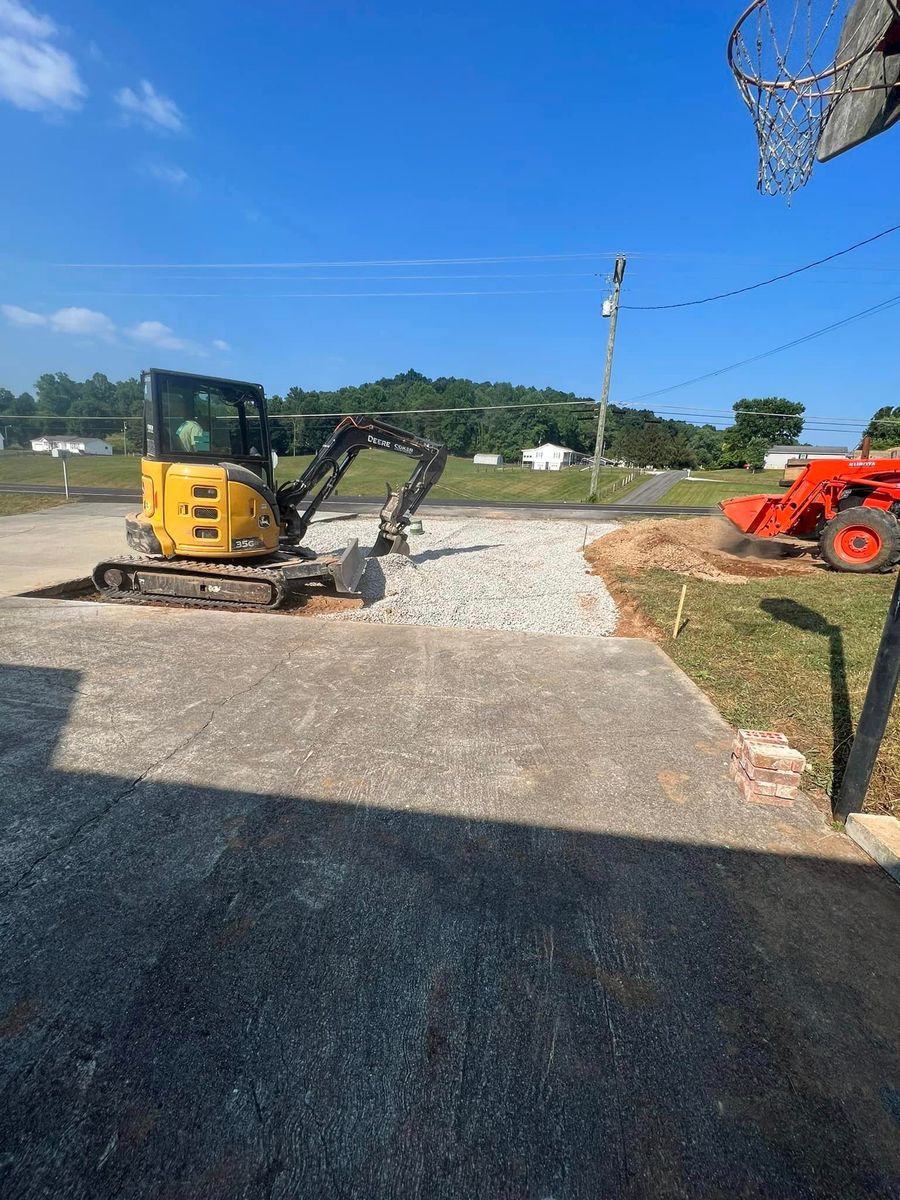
<point x="214" y="530"/>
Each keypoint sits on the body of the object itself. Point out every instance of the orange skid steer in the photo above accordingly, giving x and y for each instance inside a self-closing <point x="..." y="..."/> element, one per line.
<point x="851" y="508"/>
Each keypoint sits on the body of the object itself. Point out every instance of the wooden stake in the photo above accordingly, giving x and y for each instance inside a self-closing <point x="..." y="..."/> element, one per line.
<point x="677" y="628"/>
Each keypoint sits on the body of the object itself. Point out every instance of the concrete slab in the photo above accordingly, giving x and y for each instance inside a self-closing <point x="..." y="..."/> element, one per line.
<point x="301" y="909"/>
<point x="879" y="836"/>
<point x="44" y="548"/>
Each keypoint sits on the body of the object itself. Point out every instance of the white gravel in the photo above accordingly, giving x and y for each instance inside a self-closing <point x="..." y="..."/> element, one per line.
<point x="476" y="573"/>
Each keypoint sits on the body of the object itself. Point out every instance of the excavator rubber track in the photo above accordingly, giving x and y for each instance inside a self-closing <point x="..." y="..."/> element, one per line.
<point x="187" y="583"/>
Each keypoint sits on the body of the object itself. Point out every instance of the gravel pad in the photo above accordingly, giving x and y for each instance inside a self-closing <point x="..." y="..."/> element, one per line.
<point x="527" y="576"/>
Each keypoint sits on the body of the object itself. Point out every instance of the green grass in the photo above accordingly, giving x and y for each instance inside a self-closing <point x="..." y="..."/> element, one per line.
<point x="13" y="503"/>
<point x="112" y="471"/>
<point x="721" y="485"/>
<point x="792" y="654"/>
<point x="367" y="477"/>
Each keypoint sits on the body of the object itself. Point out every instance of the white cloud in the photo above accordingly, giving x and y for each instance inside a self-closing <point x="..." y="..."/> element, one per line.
<point x="34" y="74"/>
<point x="154" y="333"/>
<point x="87" y="322"/>
<point x="84" y="321"/>
<point x="172" y="176"/>
<point x="19" y="19"/>
<point x="150" y="108"/>
<point x="22" y="316"/>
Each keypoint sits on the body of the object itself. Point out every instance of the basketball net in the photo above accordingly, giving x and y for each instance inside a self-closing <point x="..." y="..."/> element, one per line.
<point x="784" y="56"/>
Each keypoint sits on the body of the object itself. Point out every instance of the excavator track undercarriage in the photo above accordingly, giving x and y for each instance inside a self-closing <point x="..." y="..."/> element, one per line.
<point x="188" y="583"/>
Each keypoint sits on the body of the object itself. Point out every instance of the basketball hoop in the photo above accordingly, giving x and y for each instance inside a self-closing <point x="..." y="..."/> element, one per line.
<point x="796" y="63"/>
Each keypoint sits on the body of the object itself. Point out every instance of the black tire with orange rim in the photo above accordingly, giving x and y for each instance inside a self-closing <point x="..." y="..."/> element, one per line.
<point x="862" y="540"/>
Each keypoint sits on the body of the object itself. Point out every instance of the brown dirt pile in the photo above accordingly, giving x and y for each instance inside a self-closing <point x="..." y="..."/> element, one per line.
<point x="702" y="547"/>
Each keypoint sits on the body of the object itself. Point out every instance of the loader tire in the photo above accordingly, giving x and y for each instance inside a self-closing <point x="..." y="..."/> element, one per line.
<point x="862" y="540"/>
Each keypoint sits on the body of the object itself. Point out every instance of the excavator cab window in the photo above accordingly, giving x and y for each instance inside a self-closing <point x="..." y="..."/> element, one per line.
<point x="189" y="416"/>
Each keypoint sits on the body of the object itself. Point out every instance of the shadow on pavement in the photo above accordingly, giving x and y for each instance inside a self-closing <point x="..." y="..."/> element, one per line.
<point x="216" y="993"/>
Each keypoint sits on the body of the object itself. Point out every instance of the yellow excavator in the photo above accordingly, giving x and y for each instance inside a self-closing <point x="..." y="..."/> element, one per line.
<point x="215" y="531"/>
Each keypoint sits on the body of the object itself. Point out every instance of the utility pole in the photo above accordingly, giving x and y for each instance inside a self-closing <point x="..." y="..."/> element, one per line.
<point x="613" y="314"/>
<point x="125" y="438"/>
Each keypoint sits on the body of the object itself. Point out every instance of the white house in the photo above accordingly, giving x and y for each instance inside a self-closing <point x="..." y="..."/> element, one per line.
<point x="550" y="457"/>
<point x="488" y="460"/>
<point x="74" y="445"/>
<point x="777" y="457"/>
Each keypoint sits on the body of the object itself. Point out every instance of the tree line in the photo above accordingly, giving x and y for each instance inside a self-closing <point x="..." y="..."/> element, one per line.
<point x="493" y="418"/>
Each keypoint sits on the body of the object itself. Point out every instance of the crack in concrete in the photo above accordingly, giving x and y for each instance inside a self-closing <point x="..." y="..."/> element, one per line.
<point x="132" y="786"/>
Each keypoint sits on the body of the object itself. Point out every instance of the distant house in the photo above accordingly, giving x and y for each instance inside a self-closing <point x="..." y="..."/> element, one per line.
<point x="488" y="460"/>
<point x="74" y="445"/>
<point x="551" y="457"/>
<point x="778" y="456"/>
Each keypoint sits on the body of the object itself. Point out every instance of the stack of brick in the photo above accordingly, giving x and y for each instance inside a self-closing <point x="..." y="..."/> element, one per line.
<point x="765" y="767"/>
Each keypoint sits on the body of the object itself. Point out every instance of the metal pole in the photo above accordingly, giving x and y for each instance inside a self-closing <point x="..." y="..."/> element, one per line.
<point x="125" y="437"/>
<point x="62" y="455"/>
<point x="874" y="716"/>
<point x="618" y="276"/>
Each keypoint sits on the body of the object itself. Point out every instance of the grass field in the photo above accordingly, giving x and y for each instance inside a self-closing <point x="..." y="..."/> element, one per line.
<point x="13" y="503"/>
<point x="786" y="653"/>
<point x="367" y="477"/>
<point x="709" y="487"/>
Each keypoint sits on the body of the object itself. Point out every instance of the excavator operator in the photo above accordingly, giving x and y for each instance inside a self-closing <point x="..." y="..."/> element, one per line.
<point x="190" y="434"/>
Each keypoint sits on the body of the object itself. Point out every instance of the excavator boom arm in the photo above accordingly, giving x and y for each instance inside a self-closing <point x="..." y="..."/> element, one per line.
<point x="299" y="500"/>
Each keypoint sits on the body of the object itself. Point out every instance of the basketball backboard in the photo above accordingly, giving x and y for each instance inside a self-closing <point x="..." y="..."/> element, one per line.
<point x="867" y="98"/>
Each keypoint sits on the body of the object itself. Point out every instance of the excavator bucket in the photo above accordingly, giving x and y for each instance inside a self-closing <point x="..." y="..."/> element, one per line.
<point x="749" y="513"/>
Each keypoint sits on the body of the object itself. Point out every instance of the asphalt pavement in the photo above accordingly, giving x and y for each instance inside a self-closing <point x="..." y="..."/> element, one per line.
<point x="654" y="489"/>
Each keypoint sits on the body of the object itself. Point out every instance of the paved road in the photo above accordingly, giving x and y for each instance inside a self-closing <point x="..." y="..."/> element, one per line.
<point x="511" y="508"/>
<point x="654" y="489"/>
<point x="297" y="909"/>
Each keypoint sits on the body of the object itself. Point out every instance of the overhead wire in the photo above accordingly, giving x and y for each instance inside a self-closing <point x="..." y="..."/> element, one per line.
<point x="741" y="291"/>
<point x="807" y="337"/>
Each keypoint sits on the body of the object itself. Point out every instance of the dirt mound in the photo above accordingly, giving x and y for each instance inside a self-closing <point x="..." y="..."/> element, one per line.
<point x="702" y="547"/>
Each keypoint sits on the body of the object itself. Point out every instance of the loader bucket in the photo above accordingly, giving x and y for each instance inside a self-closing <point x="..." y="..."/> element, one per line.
<point x="749" y="513"/>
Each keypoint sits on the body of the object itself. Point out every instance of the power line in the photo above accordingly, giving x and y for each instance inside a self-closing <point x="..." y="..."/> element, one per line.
<point x="763" y="282"/>
<point x="382" y="262"/>
<point x="333" y="295"/>
<point x="807" y="337"/>
<point x="386" y="278"/>
<point x="664" y="414"/>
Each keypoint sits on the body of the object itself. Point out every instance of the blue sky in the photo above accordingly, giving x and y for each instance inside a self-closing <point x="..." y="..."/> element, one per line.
<point x="333" y="132"/>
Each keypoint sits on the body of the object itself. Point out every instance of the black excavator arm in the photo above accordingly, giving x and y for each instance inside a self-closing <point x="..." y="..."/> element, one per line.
<point x="299" y="499"/>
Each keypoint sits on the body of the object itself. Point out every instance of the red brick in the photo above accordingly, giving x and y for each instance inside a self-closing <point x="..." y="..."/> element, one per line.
<point x="762" y="735"/>
<point x="773" y="795"/>
<point x="764" y="775"/>
<point x="773" y="758"/>
<point x="770" y="801"/>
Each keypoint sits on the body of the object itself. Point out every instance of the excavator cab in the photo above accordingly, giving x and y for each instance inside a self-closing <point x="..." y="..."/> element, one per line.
<point x="207" y="476"/>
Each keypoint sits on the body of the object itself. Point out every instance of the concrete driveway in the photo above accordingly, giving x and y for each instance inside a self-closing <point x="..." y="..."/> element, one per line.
<point x="57" y="544"/>
<point x="302" y="909"/>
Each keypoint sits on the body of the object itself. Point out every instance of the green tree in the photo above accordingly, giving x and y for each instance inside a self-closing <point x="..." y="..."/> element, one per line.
<point x="884" y="428"/>
<point x="755" y="453"/>
<point x="773" y="419"/>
